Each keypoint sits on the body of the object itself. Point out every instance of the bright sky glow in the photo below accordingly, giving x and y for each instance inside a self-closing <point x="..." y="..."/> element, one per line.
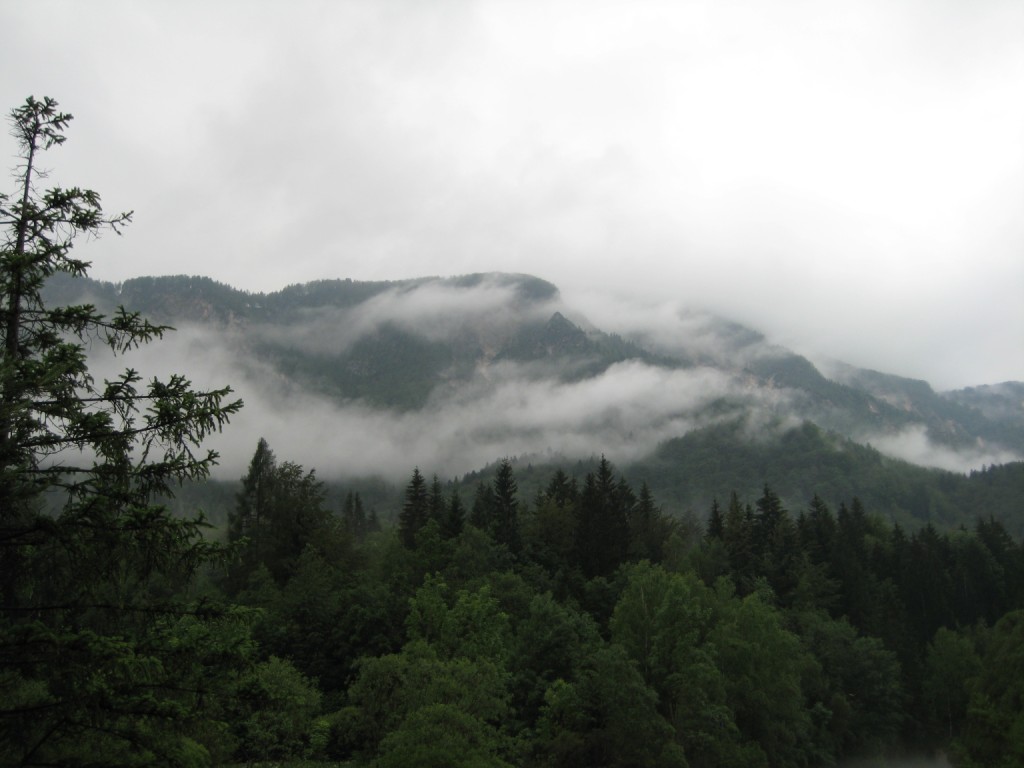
<point x="846" y="177"/>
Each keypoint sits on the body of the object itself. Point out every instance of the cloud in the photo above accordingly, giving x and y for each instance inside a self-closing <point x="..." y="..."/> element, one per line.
<point x="672" y="328"/>
<point x="625" y="412"/>
<point x="914" y="445"/>
<point x="433" y="310"/>
<point x="506" y="408"/>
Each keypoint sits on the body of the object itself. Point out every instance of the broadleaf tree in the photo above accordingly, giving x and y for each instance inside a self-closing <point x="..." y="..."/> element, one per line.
<point x="92" y="567"/>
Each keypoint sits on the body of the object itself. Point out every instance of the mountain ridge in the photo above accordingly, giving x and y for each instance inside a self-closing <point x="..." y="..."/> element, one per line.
<point x="991" y="411"/>
<point x="450" y="373"/>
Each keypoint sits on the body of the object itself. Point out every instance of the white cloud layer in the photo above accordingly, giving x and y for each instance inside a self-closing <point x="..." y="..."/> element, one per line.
<point x="433" y="310"/>
<point x="913" y="444"/>
<point x="506" y="410"/>
<point x="847" y="178"/>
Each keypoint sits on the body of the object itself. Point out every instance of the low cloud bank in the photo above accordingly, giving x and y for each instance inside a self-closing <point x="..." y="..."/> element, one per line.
<point x="506" y="409"/>
<point x="914" y="445"/>
<point x="433" y="310"/>
<point x="625" y="412"/>
<point x="671" y="328"/>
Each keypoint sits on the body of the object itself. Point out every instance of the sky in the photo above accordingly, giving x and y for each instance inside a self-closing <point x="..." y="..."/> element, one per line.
<point x="847" y="178"/>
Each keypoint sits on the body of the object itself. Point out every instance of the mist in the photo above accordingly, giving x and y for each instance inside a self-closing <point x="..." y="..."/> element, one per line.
<point x="506" y="409"/>
<point x="503" y="408"/>
<point x="914" y="445"/>
<point x="434" y="311"/>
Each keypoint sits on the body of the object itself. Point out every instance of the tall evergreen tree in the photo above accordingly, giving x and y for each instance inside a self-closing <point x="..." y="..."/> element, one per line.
<point x="482" y="514"/>
<point x="505" y="521"/>
<point x="415" y="510"/>
<point x="738" y="535"/>
<point x="776" y="542"/>
<point x="816" y="531"/>
<point x="353" y="516"/>
<point x="279" y="512"/>
<point x="252" y="500"/>
<point x="603" y="529"/>
<point x="562" y="489"/>
<point x="649" y="529"/>
<point x="104" y="653"/>
<point x="549" y="529"/>
<point x="436" y="507"/>
<point x="455" y="518"/>
<point x="716" y="522"/>
<point x="246" y="521"/>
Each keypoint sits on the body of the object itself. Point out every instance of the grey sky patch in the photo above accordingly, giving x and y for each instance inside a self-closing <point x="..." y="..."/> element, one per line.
<point x="847" y="179"/>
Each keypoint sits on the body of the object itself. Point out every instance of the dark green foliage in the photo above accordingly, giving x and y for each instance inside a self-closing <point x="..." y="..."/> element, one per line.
<point x="854" y="687"/>
<point x="273" y="708"/>
<point x="663" y="621"/>
<point x="441" y="736"/>
<point x="605" y="716"/>
<point x="794" y="640"/>
<point x="452" y="673"/>
<point x="280" y="511"/>
<point x="482" y="513"/>
<point x="454" y="518"/>
<point x="353" y="517"/>
<point x="105" y="655"/>
<point x="505" y="515"/>
<point x="993" y="733"/>
<point x="602" y="530"/>
<point x="549" y="529"/>
<point x="549" y="639"/>
<point x="738" y="536"/>
<point x="415" y="511"/>
<point x="951" y="666"/>
<point x="649" y="529"/>
<point x="691" y="471"/>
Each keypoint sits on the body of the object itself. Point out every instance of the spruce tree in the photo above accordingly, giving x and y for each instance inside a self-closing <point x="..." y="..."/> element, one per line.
<point x="455" y="518"/>
<point x="102" y="647"/>
<point x="436" y="501"/>
<point x="505" y="522"/>
<point x="716" y="522"/>
<point x="415" y="511"/>
<point x="353" y="516"/>
<point x="602" y="533"/>
<point x="482" y="514"/>
<point x="649" y="529"/>
<point x="279" y="512"/>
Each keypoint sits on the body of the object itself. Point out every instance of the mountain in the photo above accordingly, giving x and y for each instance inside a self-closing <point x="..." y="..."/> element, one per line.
<point x="450" y="373"/>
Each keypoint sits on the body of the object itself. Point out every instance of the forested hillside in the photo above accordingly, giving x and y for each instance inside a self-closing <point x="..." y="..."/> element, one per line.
<point x="585" y="627"/>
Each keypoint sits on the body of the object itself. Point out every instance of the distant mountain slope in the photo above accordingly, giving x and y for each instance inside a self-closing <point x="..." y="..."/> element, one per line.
<point x="1000" y="403"/>
<point x="961" y="418"/>
<point x="400" y="353"/>
<point x="690" y="471"/>
<point x="394" y="344"/>
<point x="451" y="372"/>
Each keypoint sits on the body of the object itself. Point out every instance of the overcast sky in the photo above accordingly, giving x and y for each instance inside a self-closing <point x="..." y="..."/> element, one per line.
<point x="847" y="178"/>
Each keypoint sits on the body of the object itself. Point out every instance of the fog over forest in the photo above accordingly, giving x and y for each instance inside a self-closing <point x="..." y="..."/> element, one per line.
<point x="508" y="407"/>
